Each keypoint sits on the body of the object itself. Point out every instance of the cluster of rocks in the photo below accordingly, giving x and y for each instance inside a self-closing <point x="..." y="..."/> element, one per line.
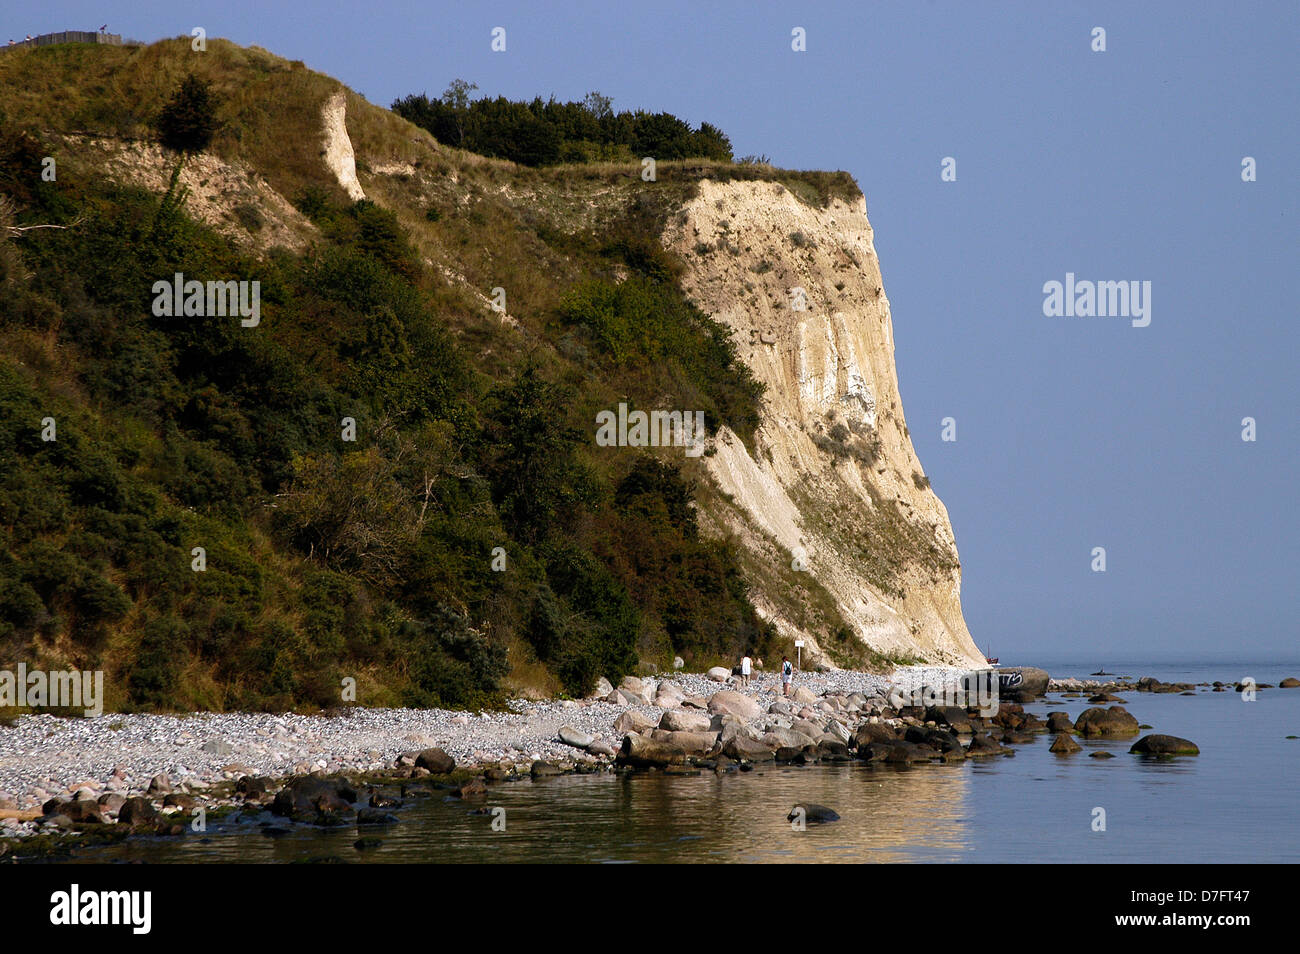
<point x="731" y="728"/>
<point x="88" y="807"/>
<point x="1151" y="684"/>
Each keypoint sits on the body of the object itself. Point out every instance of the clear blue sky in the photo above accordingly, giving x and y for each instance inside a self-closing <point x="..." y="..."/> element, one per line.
<point x="1073" y="433"/>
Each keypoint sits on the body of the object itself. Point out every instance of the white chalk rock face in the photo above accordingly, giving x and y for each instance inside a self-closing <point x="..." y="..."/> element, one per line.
<point x="831" y="487"/>
<point x="339" y="158"/>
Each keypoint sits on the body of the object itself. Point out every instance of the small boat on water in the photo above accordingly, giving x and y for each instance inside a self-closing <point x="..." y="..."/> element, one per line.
<point x="1101" y="672"/>
<point x="991" y="660"/>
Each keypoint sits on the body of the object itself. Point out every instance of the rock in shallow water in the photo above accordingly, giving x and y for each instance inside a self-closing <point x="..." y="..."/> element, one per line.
<point x="812" y="814"/>
<point x="1065" y="745"/>
<point x="982" y="746"/>
<point x="1113" y="721"/>
<point x="742" y="748"/>
<point x="1060" y="722"/>
<point x="435" y="760"/>
<point x="1164" y="745"/>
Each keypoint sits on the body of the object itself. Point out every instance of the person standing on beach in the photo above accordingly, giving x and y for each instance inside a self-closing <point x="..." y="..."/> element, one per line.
<point x="746" y="670"/>
<point x="787" y="674"/>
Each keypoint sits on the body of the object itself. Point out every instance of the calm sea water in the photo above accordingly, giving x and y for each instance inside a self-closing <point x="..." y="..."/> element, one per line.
<point x="1235" y="802"/>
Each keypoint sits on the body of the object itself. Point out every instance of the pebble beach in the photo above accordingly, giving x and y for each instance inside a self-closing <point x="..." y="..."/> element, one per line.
<point x="44" y="756"/>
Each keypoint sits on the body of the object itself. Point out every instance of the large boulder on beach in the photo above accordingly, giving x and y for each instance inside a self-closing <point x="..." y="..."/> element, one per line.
<point x="83" y="811"/>
<point x="642" y="690"/>
<point x="574" y="737"/>
<point x="137" y="813"/>
<point x="832" y="750"/>
<point x="111" y="802"/>
<point x="730" y="702"/>
<point x="435" y="760"/>
<point x="668" y="696"/>
<point x="642" y="751"/>
<point x="685" y="720"/>
<point x="603" y="688"/>
<point x="807" y="726"/>
<point x="741" y="748"/>
<point x="1164" y="745"/>
<point x="778" y="737"/>
<point x="633" y="721"/>
<point x="729" y="725"/>
<point x="803" y="696"/>
<point x="838" y="730"/>
<point x="954" y="717"/>
<point x="719" y="674"/>
<point x="1032" y="681"/>
<point x="870" y="732"/>
<point x="1113" y="721"/>
<point x="692" y="743"/>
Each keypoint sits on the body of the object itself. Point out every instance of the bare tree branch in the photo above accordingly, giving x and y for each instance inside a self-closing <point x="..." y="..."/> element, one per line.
<point x="18" y="231"/>
<point x="9" y="208"/>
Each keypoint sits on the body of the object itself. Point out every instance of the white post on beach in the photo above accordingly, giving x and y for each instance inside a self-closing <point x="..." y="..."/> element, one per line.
<point x="798" y="654"/>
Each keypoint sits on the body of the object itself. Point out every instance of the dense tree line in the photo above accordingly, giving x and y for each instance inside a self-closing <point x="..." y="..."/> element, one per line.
<point x="542" y="132"/>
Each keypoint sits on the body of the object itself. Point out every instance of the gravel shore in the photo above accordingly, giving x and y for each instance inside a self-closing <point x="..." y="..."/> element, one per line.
<point x="44" y="756"/>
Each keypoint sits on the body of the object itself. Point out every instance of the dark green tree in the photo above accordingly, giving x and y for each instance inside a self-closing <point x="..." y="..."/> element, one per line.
<point x="188" y="121"/>
<point x="536" y="480"/>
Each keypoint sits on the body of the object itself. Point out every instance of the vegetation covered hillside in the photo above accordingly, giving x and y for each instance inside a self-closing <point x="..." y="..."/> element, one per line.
<point x="182" y="503"/>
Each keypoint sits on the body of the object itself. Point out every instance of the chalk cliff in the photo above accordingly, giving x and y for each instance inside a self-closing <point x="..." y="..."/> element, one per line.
<point x="832" y="486"/>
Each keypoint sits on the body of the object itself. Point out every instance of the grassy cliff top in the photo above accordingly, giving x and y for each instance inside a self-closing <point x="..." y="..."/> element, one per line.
<point x="268" y="112"/>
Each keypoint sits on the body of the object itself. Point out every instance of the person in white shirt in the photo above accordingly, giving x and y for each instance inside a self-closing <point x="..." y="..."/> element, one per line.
<point x="746" y="670"/>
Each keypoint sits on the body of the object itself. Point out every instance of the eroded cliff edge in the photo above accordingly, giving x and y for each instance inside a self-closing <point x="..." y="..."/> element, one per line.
<point x="839" y="527"/>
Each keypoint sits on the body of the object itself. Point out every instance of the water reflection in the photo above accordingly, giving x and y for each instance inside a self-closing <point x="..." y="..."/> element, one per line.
<point x="886" y="814"/>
